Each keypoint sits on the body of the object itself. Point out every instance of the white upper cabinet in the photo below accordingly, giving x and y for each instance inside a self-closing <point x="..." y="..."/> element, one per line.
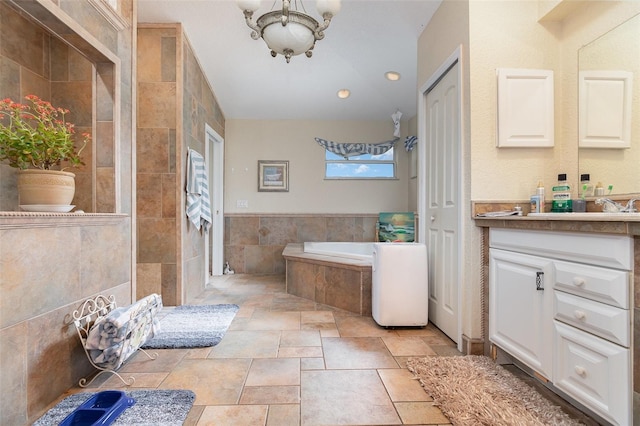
<point x="525" y="108"/>
<point x="605" y="109"/>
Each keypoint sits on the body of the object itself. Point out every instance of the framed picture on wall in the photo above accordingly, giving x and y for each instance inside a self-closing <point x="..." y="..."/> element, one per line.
<point x="273" y="176"/>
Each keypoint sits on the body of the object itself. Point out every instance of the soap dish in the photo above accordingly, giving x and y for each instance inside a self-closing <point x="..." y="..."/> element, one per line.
<point x="100" y="409"/>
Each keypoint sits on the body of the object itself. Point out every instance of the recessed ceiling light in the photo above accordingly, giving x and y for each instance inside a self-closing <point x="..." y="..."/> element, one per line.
<point x="344" y="93"/>
<point x="392" y="76"/>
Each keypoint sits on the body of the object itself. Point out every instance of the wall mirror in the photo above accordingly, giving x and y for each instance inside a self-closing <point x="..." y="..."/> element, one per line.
<point x="617" y="51"/>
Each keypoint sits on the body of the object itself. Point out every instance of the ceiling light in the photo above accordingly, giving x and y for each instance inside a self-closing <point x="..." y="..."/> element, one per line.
<point x="289" y="32"/>
<point x="392" y="76"/>
<point x="344" y="93"/>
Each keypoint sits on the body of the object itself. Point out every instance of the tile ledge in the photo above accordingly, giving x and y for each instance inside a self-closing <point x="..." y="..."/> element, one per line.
<point x="27" y="220"/>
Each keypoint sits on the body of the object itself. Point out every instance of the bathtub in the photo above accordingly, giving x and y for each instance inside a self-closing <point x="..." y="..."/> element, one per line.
<point x="345" y="275"/>
<point x="357" y="251"/>
<point x="333" y="274"/>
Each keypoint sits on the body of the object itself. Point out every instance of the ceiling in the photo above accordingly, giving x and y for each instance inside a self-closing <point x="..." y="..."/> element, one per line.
<point x="365" y="40"/>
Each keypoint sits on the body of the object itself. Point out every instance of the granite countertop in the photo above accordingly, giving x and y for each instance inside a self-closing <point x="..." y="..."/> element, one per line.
<point x="621" y="223"/>
<point x="582" y="217"/>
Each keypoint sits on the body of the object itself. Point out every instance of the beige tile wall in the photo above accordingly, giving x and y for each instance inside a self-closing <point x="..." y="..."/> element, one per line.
<point x="48" y="269"/>
<point x="254" y="243"/>
<point x="51" y="263"/>
<point x="174" y="103"/>
<point x="156" y="162"/>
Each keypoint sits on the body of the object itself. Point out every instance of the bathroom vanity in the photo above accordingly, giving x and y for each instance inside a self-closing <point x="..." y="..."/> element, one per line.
<point x="561" y="305"/>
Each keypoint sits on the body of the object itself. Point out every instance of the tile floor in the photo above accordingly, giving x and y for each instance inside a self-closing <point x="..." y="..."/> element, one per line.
<point x="289" y="361"/>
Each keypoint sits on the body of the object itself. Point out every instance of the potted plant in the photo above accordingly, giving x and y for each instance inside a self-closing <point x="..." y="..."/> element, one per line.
<point x="36" y="139"/>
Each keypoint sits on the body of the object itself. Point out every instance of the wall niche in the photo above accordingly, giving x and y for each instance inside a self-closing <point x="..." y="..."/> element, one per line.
<point x="72" y="73"/>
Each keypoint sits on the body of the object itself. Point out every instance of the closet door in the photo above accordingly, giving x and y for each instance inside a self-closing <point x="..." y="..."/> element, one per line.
<point x="442" y="201"/>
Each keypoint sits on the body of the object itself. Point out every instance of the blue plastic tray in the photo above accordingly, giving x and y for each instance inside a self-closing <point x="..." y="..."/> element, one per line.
<point x="100" y="409"/>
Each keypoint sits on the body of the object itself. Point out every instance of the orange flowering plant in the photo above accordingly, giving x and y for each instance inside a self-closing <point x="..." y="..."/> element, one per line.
<point x="36" y="135"/>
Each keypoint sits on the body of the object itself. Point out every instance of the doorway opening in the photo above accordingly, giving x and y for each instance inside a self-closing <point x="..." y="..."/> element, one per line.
<point x="214" y="237"/>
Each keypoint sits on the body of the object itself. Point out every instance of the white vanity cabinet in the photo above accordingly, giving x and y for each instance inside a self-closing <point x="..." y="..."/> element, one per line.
<point x="560" y="303"/>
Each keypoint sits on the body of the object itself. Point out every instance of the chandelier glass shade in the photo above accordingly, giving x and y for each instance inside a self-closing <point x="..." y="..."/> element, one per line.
<point x="289" y="32"/>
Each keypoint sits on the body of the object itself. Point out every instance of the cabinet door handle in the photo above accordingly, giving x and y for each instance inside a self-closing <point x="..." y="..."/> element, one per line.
<point x="580" y="371"/>
<point x="578" y="281"/>
<point x="540" y="281"/>
<point x="579" y="315"/>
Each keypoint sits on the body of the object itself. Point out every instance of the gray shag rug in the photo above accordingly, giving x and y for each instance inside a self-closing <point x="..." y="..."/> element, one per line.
<point x="190" y="326"/>
<point x="474" y="390"/>
<point x="152" y="407"/>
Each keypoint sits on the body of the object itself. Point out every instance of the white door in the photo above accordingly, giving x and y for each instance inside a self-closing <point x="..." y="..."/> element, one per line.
<point x="214" y="247"/>
<point x="441" y="191"/>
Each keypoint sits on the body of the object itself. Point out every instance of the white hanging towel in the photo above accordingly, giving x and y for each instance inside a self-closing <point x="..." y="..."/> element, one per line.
<point x="198" y="203"/>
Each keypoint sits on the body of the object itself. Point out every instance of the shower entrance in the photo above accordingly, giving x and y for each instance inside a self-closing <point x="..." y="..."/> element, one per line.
<point x="214" y="245"/>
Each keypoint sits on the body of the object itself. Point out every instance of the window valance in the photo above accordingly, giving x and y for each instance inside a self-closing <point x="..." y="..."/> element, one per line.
<point x="347" y="150"/>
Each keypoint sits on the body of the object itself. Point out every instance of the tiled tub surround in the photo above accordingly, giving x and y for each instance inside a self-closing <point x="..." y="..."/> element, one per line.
<point x="254" y="242"/>
<point x="343" y="283"/>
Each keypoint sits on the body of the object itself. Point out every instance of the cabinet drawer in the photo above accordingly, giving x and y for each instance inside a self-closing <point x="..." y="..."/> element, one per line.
<point x="595" y="372"/>
<point x="613" y="251"/>
<point x="603" y="320"/>
<point x="608" y="286"/>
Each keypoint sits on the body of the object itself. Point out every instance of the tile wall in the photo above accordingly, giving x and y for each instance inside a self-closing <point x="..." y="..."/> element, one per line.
<point x="51" y="263"/>
<point x="175" y="102"/>
<point x="254" y="243"/>
<point x="156" y="172"/>
<point x="33" y="61"/>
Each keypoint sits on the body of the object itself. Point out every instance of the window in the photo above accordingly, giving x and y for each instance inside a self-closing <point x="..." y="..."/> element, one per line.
<point x="365" y="166"/>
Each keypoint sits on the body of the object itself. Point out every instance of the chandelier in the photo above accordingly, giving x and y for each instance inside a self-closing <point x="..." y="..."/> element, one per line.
<point x="289" y="32"/>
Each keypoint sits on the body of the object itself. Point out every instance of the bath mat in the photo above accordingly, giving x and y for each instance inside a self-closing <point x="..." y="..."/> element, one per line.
<point x="473" y="390"/>
<point x="188" y="326"/>
<point x="152" y="407"/>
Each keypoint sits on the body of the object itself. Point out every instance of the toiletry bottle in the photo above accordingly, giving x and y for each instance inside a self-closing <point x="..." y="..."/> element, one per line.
<point x="535" y="204"/>
<point x="599" y="191"/>
<point x="561" y="202"/>
<point x="540" y="194"/>
<point x="586" y="187"/>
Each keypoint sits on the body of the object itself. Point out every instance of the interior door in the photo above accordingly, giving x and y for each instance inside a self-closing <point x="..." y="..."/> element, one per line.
<point x="214" y="237"/>
<point x="441" y="200"/>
